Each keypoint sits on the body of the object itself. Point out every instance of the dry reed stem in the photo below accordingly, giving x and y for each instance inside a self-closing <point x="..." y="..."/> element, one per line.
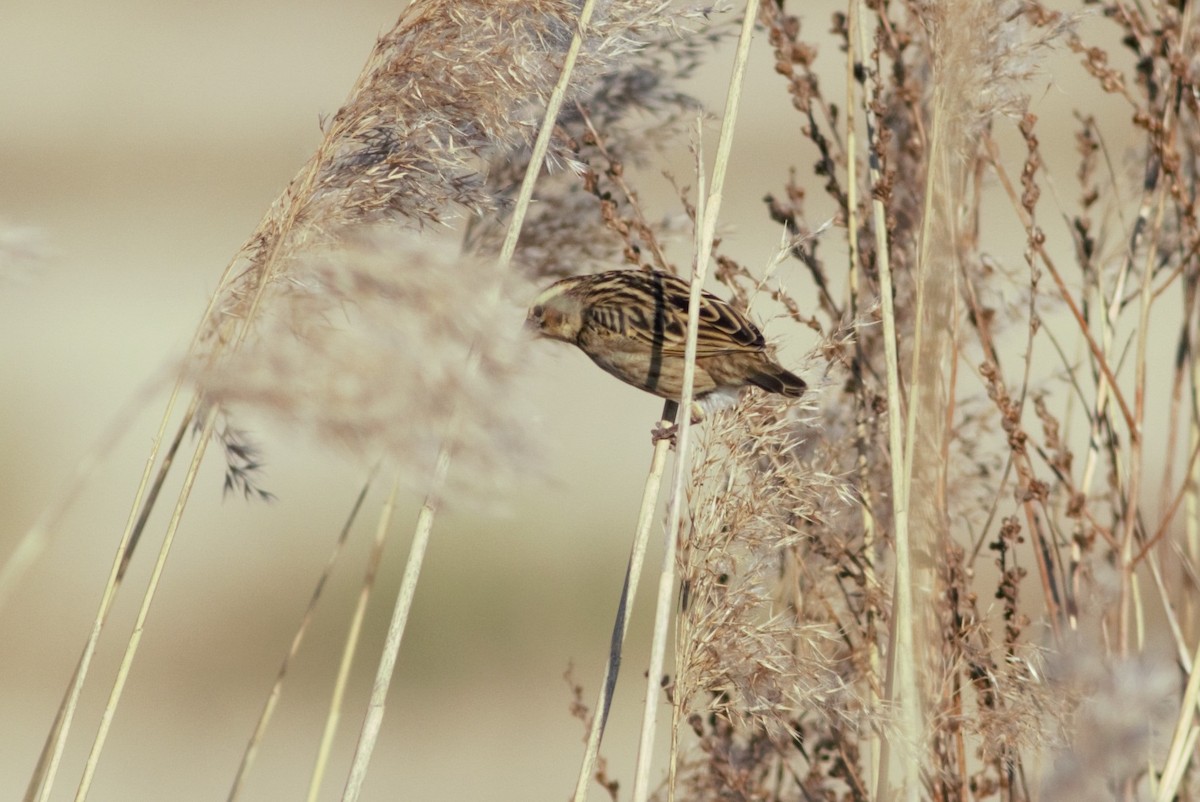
<point x="353" y="632"/>
<point x="276" y="692"/>
<point x="1185" y="735"/>
<point x="707" y="213"/>
<point x="854" y="63"/>
<point x="373" y="720"/>
<point x="666" y="578"/>
<point x="542" y="144"/>
<point x="42" y="778"/>
<point x="1183" y="740"/>
<point x="633" y="573"/>
<point x="900" y="688"/>
<point x="387" y="662"/>
<point x="1137" y="439"/>
<point x="1192" y="483"/>
<point x="371" y="725"/>
<point x="135" y="637"/>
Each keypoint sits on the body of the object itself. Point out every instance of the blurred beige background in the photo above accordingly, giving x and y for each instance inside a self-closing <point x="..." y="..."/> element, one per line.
<point x="143" y="142"/>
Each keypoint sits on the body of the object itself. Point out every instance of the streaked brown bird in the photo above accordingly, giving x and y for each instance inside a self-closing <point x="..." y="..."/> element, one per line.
<point x="633" y="323"/>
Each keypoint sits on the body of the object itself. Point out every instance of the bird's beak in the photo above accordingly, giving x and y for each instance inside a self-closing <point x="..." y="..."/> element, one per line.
<point x="531" y="326"/>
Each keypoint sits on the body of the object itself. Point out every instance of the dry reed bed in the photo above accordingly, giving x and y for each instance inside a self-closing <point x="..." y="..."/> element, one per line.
<point x="930" y="579"/>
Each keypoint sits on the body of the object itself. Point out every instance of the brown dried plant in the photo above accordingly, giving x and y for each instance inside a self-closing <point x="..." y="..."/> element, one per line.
<point x="1040" y="550"/>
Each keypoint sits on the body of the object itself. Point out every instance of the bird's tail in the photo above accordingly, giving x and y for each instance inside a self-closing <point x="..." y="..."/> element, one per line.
<point x="775" y="379"/>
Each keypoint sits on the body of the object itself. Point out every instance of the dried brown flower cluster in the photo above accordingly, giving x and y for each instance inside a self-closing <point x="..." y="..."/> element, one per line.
<point x="633" y="324"/>
<point x="1034" y="542"/>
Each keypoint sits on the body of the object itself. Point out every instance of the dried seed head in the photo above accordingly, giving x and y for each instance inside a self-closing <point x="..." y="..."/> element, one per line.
<point x="452" y="89"/>
<point x="367" y="336"/>
<point x="388" y="347"/>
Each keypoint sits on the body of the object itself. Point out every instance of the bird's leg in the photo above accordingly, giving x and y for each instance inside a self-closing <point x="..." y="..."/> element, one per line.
<point x="669" y="431"/>
<point x="664" y="429"/>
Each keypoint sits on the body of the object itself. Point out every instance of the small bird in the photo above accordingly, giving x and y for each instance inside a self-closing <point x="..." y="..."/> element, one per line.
<point x="633" y="324"/>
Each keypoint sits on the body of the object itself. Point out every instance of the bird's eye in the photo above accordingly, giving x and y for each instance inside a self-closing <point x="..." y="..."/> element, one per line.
<point x="537" y="311"/>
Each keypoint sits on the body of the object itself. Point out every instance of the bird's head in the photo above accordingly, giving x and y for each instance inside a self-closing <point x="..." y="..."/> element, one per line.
<point x="557" y="313"/>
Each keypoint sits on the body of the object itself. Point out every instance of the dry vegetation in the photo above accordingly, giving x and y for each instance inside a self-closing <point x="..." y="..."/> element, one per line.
<point x="960" y="568"/>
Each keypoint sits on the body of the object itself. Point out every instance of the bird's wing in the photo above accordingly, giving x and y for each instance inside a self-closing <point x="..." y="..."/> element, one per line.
<point x="651" y="308"/>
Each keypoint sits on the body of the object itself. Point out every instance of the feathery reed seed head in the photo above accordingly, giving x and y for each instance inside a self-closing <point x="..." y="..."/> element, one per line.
<point x="368" y="345"/>
<point x="372" y="338"/>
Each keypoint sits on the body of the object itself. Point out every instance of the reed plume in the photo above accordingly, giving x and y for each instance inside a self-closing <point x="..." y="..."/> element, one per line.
<point x="361" y="331"/>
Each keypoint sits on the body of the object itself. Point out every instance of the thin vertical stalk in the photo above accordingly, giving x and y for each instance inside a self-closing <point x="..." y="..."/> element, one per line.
<point x="542" y="144"/>
<point x="1136" y="439"/>
<point x="707" y="213"/>
<point x="350" y="646"/>
<point x="369" y="734"/>
<point x="666" y="579"/>
<point x="1192" y="500"/>
<point x="1183" y="739"/>
<point x="633" y="573"/>
<point x="854" y="61"/>
<point x="900" y="687"/>
<point x="44" y="773"/>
